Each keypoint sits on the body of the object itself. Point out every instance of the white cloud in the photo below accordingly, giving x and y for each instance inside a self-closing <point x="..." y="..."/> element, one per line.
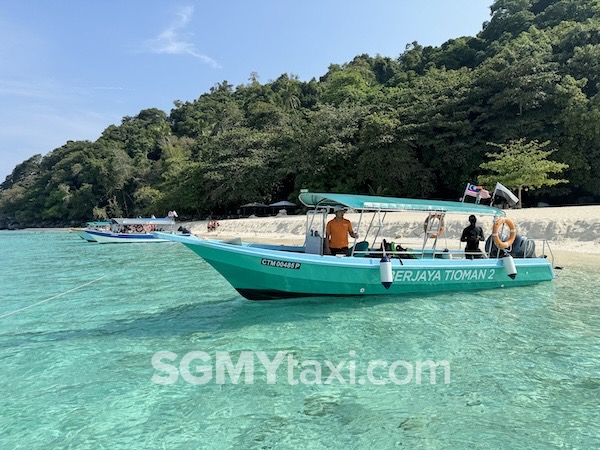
<point x="26" y="89"/>
<point x="108" y="88"/>
<point x="173" y="40"/>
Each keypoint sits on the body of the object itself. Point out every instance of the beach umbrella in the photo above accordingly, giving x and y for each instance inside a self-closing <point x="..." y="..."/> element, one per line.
<point x="254" y="206"/>
<point x="282" y="204"/>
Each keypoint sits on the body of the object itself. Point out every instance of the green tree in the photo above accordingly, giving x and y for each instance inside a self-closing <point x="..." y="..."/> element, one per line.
<point x="348" y="85"/>
<point x="580" y="145"/>
<point x="288" y="91"/>
<point x="412" y="125"/>
<point x="520" y="77"/>
<point x="25" y="173"/>
<point x="509" y="19"/>
<point x="327" y="145"/>
<point x="520" y="165"/>
<point x="386" y="164"/>
<point x="435" y="128"/>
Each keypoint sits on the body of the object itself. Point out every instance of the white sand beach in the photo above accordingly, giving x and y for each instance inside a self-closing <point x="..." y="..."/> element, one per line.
<point x="573" y="232"/>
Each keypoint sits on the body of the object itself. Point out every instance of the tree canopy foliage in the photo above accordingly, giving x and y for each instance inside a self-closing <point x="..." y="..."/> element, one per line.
<point x="415" y="125"/>
<point x="522" y="165"/>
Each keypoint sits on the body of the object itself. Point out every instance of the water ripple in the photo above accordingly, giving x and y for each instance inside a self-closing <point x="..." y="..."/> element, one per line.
<point x="76" y="370"/>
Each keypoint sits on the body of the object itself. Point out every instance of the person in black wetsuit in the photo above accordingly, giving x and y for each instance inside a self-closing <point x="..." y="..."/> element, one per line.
<point x="472" y="235"/>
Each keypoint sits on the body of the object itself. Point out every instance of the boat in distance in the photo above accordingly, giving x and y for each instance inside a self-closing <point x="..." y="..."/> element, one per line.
<point x="374" y="266"/>
<point x="123" y="230"/>
<point x="83" y="232"/>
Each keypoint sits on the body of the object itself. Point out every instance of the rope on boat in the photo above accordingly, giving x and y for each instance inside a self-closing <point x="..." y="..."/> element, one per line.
<point x="51" y="298"/>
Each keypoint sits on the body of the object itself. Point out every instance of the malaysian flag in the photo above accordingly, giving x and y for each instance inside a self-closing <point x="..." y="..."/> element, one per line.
<point x="472" y="190"/>
<point x="478" y="192"/>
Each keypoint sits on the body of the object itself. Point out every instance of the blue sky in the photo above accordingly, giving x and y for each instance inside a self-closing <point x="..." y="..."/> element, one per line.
<point x="71" y="68"/>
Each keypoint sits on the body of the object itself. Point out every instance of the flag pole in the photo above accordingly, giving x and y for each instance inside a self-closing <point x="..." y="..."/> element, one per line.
<point x="493" y="195"/>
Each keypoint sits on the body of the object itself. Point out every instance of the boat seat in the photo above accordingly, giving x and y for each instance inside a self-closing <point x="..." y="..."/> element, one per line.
<point x="361" y="247"/>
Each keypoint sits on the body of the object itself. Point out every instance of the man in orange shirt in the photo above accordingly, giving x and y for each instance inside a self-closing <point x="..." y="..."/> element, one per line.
<point x="337" y="232"/>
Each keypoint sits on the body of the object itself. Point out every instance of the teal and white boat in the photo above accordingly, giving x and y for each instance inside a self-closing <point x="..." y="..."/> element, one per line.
<point x="123" y="230"/>
<point x="374" y="267"/>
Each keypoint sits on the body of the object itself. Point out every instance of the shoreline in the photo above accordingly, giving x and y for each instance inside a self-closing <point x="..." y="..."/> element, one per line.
<point x="573" y="232"/>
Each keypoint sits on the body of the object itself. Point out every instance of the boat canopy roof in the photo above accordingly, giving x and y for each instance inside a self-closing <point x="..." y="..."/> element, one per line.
<point x="144" y="221"/>
<point x="391" y="204"/>
<point x="98" y="223"/>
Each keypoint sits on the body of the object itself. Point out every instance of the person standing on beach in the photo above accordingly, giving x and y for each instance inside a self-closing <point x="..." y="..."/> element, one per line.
<point x="337" y="231"/>
<point x="472" y="235"/>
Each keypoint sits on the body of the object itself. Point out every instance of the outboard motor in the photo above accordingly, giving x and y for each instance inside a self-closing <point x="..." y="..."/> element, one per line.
<point x="491" y="248"/>
<point x="523" y="248"/>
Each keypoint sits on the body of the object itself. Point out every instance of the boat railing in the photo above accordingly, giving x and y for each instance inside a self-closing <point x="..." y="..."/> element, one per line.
<point x="315" y="231"/>
<point x="546" y="245"/>
<point x="409" y="254"/>
<point x="432" y="253"/>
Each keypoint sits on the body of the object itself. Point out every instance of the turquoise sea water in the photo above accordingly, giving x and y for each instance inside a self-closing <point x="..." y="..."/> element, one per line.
<point x="80" y="324"/>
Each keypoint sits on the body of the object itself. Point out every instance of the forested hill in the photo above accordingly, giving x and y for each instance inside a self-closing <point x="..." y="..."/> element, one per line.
<point x="417" y="125"/>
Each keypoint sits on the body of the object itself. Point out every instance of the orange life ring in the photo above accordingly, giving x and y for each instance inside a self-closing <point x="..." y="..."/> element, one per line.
<point x="438" y="216"/>
<point x="496" y="235"/>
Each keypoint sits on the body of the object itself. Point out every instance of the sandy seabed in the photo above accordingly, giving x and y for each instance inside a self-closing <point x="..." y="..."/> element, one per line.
<point x="573" y="232"/>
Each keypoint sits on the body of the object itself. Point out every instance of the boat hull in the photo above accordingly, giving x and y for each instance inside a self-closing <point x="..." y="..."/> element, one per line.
<point x="83" y="234"/>
<point x="105" y="237"/>
<point x="265" y="274"/>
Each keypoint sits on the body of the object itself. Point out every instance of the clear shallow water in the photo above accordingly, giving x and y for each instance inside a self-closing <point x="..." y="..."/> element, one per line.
<point x="76" y="369"/>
